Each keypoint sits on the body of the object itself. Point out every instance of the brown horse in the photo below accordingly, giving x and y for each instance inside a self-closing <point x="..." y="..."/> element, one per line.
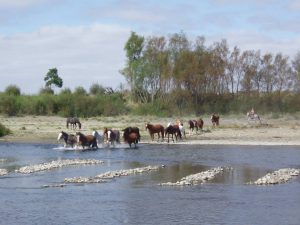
<point x="131" y="135"/>
<point x="191" y="125"/>
<point x="215" y="119"/>
<point x="173" y="130"/>
<point x="112" y="136"/>
<point x="199" y="124"/>
<point x="155" y="129"/>
<point x="86" y="140"/>
<point x="196" y="124"/>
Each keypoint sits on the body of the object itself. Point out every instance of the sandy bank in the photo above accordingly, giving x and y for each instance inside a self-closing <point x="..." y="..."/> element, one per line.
<point x="233" y="130"/>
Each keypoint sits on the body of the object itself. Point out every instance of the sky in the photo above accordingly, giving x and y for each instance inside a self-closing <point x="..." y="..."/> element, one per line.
<point x="85" y="40"/>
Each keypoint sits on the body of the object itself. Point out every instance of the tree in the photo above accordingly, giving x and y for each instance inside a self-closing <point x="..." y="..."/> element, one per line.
<point x="131" y="72"/>
<point x="296" y="68"/>
<point x="52" y="78"/>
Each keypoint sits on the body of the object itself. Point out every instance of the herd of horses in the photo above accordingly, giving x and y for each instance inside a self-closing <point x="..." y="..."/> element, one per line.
<point x="131" y="135"/>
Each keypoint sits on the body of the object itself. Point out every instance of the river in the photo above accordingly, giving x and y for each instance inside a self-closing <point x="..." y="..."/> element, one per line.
<point x="44" y="198"/>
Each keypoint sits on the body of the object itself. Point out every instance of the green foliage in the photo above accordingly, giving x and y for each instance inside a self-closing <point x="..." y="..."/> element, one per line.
<point x="9" y="105"/>
<point x="97" y="89"/>
<point x="52" y="78"/>
<point x="63" y="105"/>
<point x="12" y="90"/>
<point x="4" y="130"/>
<point x="80" y="91"/>
<point x="46" y="91"/>
<point x="66" y="91"/>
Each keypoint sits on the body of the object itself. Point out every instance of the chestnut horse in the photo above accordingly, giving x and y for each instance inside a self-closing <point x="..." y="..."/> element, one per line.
<point x="199" y="124"/>
<point x="131" y="135"/>
<point x="86" y="140"/>
<point x="173" y="130"/>
<point x="70" y="139"/>
<point x="155" y="129"/>
<point x="215" y="119"/>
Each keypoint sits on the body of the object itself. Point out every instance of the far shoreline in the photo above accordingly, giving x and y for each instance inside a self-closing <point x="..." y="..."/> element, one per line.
<point x="233" y="130"/>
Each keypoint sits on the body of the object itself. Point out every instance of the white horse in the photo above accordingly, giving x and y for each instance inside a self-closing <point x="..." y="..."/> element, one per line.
<point x="99" y="137"/>
<point x="253" y="117"/>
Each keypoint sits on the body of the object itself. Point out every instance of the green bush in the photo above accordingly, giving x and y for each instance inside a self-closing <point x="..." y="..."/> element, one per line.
<point x="4" y="130"/>
<point x="13" y="90"/>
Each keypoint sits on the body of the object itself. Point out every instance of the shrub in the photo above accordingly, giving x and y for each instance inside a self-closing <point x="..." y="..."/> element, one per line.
<point x="12" y="90"/>
<point x="46" y="90"/>
<point x="4" y="130"/>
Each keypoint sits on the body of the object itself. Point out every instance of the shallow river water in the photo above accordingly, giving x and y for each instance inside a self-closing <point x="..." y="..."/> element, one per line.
<point x="44" y="198"/>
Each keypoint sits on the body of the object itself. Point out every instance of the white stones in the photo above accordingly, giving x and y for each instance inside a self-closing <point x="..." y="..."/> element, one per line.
<point x="84" y="180"/>
<point x="3" y="172"/>
<point x="104" y="177"/>
<point x="277" y="177"/>
<point x="53" y="185"/>
<point x="56" y="164"/>
<point x="197" y="178"/>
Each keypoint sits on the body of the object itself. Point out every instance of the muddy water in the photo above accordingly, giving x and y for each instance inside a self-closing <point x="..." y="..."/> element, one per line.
<point x="44" y="198"/>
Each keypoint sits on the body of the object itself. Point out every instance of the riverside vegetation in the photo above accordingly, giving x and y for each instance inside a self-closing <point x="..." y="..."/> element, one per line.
<point x="173" y="75"/>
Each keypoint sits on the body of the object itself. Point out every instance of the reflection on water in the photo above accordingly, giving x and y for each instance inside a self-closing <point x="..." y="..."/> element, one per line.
<point x="138" y="199"/>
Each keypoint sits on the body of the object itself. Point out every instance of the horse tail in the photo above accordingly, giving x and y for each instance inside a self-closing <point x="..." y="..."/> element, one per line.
<point x="162" y="132"/>
<point x="79" y="124"/>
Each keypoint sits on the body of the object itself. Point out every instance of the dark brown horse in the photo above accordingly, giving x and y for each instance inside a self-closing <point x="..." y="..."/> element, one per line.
<point x="155" y="129"/>
<point x="131" y="135"/>
<point x="73" y="121"/>
<point x="173" y="130"/>
<point x="70" y="139"/>
<point x="86" y="140"/>
<point x="191" y="125"/>
<point x="111" y="136"/>
<point x="215" y="119"/>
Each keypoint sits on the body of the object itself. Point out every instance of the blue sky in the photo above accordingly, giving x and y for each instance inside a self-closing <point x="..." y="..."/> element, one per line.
<point x="84" y="40"/>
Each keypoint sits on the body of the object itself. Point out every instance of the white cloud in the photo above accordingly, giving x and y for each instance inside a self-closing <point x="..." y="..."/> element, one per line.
<point x="252" y="40"/>
<point x="9" y="4"/>
<point x="83" y="55"/>
<point x="294" y="5"/>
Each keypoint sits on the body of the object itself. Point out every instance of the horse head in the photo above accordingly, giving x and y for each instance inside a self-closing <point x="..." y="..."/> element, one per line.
<point x="147" y="126"/>
<point x="79" y="136"/>
<point x="60" y="136"/>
